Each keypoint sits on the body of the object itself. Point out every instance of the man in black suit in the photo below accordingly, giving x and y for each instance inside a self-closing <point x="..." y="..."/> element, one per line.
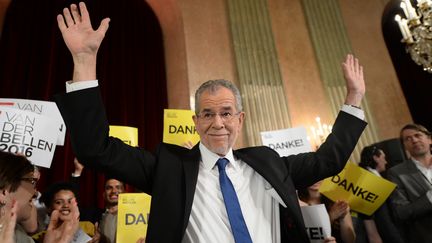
<point x="412" y="199"/>
<point x="192" y="198"/>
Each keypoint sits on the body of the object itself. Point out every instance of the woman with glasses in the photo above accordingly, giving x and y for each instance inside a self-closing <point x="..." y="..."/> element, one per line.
<point x="18" y="187"/>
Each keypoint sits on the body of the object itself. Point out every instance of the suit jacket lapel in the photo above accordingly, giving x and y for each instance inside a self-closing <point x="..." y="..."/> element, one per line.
<point x="277" y="177"/>
<point x="416" y="175"/>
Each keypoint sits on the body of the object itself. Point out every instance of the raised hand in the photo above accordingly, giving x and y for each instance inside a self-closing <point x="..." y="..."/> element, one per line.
<point x="188" y="145"/>
<point x="8" y="217"/>
<point x="97" y="234"/>
<point x="62" y="231"/>
<point x="78" y="32"/>
<point x="78" y="167"/>
<point x="353" y="73"/>
<point x="82" y="41"/>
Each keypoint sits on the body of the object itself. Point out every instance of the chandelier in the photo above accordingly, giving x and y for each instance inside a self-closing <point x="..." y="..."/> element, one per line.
<point x="416" y="31"/>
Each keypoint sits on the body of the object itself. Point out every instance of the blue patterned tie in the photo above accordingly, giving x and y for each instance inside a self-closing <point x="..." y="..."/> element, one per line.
<point x="235" y="216"/>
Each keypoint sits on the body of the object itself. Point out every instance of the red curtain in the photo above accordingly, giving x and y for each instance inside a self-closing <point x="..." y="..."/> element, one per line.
<point x="35" y="63"/>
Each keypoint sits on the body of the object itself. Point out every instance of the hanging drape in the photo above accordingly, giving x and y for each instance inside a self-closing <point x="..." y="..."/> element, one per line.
<point x="35" y="63"/>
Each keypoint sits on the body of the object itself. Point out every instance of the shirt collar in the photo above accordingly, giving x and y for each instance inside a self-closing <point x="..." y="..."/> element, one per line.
<point x="209" y="158"/>
<point x="420" y="165"/>
<point x="374" y="171"/>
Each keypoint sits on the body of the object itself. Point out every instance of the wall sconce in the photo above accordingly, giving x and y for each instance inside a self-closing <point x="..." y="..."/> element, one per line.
<point x="320" y="132"/>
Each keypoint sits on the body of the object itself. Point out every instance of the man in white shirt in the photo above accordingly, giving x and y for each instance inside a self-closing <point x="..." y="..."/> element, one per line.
<point x="108" y="222"/>
<point x="412" y="199"/>
<point x="193" y="190"/>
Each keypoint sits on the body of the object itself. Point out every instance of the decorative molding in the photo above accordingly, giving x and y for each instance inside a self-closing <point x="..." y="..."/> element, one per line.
<point x="331" y="45"/>
<point x="259" y="75"/>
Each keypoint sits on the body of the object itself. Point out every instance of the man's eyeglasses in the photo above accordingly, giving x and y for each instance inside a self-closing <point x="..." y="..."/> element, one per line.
<point x="225" y="116"/>
<point x="30" y="180"/>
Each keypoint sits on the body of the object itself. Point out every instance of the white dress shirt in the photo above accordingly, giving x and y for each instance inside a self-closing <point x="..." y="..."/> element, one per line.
<point x="208" y="221"/>
<point x="426" y="171"/>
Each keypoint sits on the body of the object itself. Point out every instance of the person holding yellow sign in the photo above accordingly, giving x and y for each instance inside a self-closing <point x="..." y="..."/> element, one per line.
<point x="210" y="193"/>
<point x="380" y="227"/>
<point x="108" y="222"/>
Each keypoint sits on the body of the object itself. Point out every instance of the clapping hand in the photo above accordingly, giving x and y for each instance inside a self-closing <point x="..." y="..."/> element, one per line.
<point x="62" y="231"/>
<point x="8" y="217"/>
<point x="338" y="210"/>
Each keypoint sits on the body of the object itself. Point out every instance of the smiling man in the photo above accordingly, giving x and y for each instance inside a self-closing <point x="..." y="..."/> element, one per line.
<point x="412" y="199"/>
<point x="220" y="115"/>
<point x="108" y="223"/>
<point x="210" y="193"/>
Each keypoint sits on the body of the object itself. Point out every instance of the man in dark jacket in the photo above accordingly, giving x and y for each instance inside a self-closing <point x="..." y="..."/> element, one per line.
<point x="210" y="193"/>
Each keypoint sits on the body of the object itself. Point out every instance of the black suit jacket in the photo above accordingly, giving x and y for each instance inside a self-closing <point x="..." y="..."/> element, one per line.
<point x="409" y="201"/>
<point x="170" y="173"/>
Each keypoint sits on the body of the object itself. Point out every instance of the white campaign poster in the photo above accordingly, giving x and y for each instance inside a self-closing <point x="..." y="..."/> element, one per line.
<point x="29" y="134"/>
<point x="46" y="108"/>
<point x="80" y="236"/>
<point x="287" y="141"/>
<point x="317" y="222"/>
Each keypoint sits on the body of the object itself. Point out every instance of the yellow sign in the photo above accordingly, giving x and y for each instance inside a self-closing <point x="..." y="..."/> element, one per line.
<point x="133" y="215"/>
<point x="364" y="191"/>
<point x="179" y="127"/>
<point x="128" y="135"/>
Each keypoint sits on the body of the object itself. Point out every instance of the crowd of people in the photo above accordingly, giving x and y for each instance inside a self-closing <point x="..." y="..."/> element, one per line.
<point x="210" y="192"/>
<point x="18" y="188"/>
<point x="400" y="219"/>
<point x="28" y="215"/>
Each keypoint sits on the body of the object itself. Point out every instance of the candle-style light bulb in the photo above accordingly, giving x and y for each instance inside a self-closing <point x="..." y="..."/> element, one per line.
<point x="313" y="132"/>
<point x="402" y="30"/>
<point x="320" y="129"/>
<point x="406" y="28"/>
<point x="404" y="8"/>
<point x="326" y="131"/>
<point x="411" y="11"/>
